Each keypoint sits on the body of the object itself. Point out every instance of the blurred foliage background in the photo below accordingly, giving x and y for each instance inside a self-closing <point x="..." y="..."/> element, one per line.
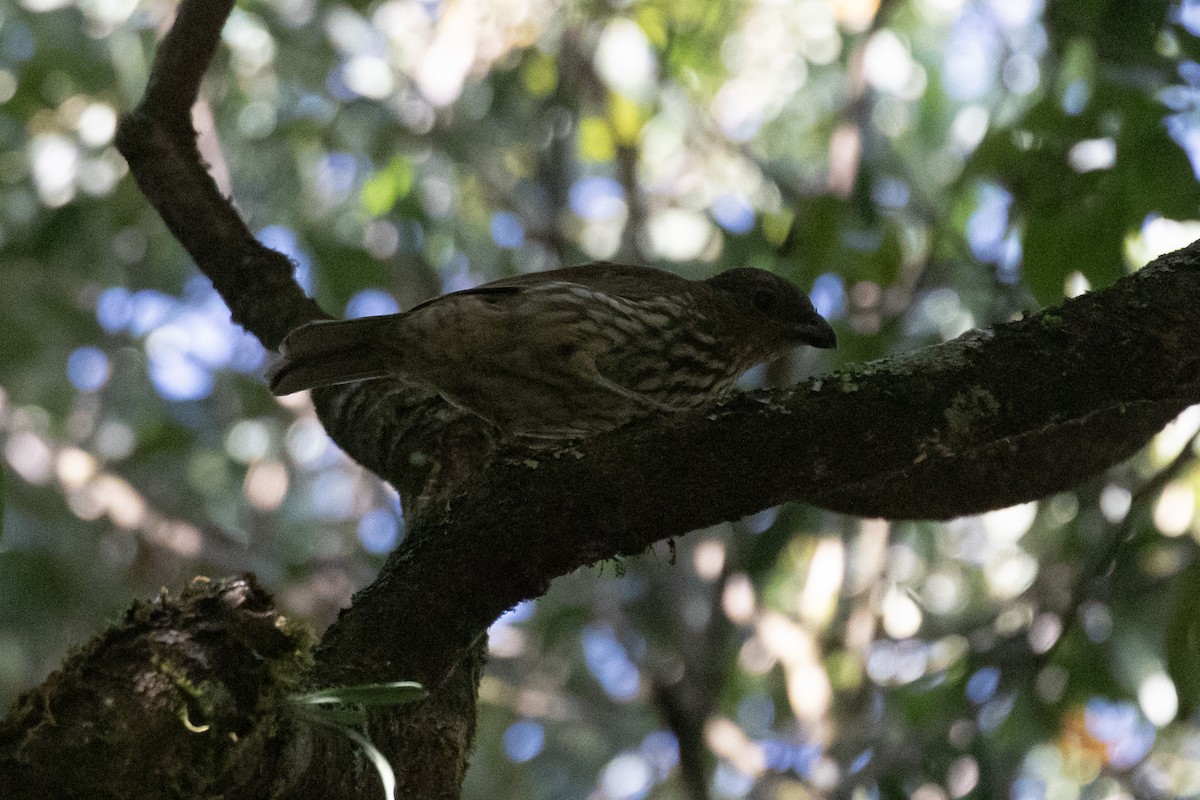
<point x="922" y="167"/>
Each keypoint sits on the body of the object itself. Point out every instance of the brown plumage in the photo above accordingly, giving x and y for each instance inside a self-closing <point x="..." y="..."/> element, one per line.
<point x="570" y="352"/>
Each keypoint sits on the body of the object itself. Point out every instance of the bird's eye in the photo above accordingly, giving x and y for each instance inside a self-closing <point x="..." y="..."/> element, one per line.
<point x="765" y="300"/>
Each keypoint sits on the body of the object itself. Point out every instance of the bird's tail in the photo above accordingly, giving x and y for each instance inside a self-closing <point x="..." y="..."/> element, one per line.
<point x="328" y="352"/>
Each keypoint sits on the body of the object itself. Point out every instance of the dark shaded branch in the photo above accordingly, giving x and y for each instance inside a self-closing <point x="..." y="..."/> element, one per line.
<point x="258" y="284"/>
<point x="159" y="142"/>
<point x="991" y="419"/>
<point x="154" y="706"/>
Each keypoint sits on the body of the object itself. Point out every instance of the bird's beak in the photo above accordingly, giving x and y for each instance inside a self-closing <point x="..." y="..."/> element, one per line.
<point x="818" y="333"/>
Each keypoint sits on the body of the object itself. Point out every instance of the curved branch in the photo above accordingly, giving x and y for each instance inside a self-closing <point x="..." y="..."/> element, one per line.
<point x="423" y="452"/>
<point x="993" y="418"/>
<point x="159" y="142"/>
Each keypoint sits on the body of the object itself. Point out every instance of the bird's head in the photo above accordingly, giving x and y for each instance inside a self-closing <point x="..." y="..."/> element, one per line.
<point x="771" y="311"/>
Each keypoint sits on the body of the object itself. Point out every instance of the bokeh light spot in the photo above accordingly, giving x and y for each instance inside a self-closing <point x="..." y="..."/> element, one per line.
<point x="507" y="230"/>
<point x="627" y="777"/>
<point x="332" y="495"/>
<point x="248" y="440"/>
<point x="97" y="124"/>
<point x="597" y="198"/>
<point x="828" y="295"/>
<point x="734" y="213"/>
<point x="610" y="664"/>
<point x="176" y="377"/>
<point x="266" y="485"/>
<point x="523" y="740"/>
<point x="55" y="164"/>
<point x="379" y="531"/>
<point x="982" y="685"/>
<point x="149" y="308"/>
<point x="371" y="303"/>
<point x="1159" y="699"/>
<point x="624" y="59"/>
<point x="988" y="225"/>
<point x="1175" y="508"/>
<point x="88" y="369"/>
<point x="114" y="309"/>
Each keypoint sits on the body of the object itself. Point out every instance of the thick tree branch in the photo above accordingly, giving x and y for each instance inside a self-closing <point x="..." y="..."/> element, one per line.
<point x="991" y="419"/>
<point x="179" y="691"/>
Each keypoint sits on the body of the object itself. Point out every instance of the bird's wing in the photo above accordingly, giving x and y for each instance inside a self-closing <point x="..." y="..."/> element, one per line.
<point x="622" y="280"/>
<point x="485" y="290"/>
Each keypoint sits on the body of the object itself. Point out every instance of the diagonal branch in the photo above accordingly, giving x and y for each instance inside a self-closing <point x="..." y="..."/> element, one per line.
<point x="159" y="142"/>
<point x="991" y="419"/>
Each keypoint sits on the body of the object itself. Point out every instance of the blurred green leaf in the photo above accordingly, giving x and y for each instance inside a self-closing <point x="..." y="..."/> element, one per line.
<point x="387" y="186"/>
<point x="1183" y="642"/>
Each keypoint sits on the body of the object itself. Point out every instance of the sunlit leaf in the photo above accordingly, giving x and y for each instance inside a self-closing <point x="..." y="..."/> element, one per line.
<point x="386" y="187"/>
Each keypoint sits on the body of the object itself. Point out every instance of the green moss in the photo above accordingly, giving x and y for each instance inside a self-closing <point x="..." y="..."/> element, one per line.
<point x="966" y="410"/>
<point x="201" y="701"/>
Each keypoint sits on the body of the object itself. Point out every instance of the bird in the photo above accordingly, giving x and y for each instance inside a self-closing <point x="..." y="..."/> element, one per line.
<point x="570" y="352"/>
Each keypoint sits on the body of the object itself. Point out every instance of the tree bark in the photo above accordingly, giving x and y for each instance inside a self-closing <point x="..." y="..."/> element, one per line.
<point x="993" y="418"/>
